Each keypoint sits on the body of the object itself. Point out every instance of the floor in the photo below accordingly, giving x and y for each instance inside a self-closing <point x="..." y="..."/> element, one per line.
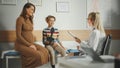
<point x="15" y="63"/>
<point x="70" y="62"/>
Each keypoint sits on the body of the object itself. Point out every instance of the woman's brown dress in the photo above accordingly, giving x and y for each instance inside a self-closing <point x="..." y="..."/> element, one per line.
<point x="30" y="58"/>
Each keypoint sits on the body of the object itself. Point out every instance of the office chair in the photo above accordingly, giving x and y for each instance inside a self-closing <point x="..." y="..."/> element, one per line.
<point x="106" y="45"/>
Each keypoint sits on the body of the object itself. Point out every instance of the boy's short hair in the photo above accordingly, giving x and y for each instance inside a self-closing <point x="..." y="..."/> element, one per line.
<point x="50" y="16"/>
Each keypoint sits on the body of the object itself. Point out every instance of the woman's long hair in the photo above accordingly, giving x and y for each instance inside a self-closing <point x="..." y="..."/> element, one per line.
<point x="96" y="22"/>
<point x="24" y="12"/>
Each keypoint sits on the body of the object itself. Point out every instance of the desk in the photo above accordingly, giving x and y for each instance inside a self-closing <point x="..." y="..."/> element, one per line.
<point x="82" y="63"/>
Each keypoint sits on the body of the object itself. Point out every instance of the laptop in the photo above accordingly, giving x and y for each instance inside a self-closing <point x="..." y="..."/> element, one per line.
<point x="96" y="58"/>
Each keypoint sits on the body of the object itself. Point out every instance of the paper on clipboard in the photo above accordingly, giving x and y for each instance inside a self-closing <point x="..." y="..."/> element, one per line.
<point x="72" y="34"/>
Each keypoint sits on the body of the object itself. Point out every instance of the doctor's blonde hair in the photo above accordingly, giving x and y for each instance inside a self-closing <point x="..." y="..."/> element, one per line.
<point x="96" y="22"/>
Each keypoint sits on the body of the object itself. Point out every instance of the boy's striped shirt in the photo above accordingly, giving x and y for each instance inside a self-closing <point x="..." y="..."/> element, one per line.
<point x="47" y="33"/>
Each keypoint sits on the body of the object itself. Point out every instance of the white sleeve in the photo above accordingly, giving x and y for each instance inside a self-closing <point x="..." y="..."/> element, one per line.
<point x="94" y="40"/>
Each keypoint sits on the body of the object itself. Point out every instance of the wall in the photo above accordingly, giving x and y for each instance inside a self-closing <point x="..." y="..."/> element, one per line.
<point x="109" y="10"/>
<point x="74" y="19"/>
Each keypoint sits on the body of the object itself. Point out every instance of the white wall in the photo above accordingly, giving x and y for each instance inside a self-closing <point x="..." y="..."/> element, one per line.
<point x="8" y="15"/>
<point x="74" y="19"/>
<point x="109" y="11"/>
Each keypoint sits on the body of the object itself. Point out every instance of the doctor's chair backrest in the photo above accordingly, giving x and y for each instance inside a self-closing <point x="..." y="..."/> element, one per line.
<point x="106" y="45"/>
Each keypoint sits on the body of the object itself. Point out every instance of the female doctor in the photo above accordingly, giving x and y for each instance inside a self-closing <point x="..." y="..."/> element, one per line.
<point x="97" y="35"/>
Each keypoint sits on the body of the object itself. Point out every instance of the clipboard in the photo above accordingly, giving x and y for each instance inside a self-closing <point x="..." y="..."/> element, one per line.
<point x="72" y="35"/>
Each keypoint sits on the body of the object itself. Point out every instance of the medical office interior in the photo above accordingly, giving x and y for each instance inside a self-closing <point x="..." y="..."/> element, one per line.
<point x="70" y="16"/>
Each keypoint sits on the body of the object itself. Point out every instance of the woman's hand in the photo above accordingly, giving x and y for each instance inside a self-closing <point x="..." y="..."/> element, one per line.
<point x="77" y="40"/>
<point x="33" y="47"/>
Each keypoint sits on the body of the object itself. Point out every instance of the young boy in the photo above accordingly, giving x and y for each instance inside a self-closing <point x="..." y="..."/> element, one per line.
<point x="51" y="40"/>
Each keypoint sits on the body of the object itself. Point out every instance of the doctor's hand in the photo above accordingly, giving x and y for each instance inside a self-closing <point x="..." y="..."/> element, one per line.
<point x="77" y="40"/>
